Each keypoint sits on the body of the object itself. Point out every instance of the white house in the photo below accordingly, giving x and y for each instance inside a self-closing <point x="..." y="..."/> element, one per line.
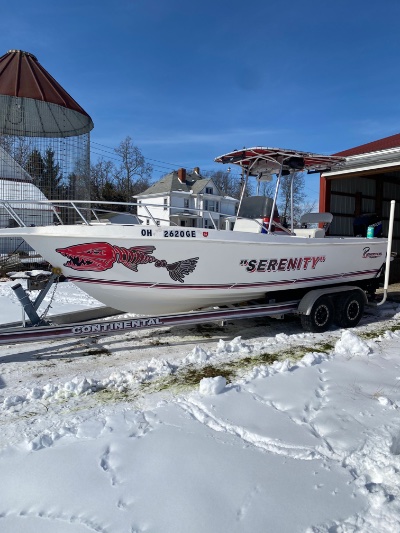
<point x="184" y="199"/>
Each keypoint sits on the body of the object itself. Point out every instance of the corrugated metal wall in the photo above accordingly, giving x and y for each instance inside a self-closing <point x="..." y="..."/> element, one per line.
<point x="354" y="196"/>
<point x="352" y="185"/>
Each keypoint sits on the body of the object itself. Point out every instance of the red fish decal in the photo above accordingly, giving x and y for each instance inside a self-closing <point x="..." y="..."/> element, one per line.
<point x="101" y="256"/>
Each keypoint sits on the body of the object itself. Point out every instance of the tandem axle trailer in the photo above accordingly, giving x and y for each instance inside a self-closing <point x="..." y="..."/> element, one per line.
<point x="318" y="309"/>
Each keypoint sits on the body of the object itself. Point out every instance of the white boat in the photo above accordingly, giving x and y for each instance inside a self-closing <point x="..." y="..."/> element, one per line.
<point x="166" y="269"/>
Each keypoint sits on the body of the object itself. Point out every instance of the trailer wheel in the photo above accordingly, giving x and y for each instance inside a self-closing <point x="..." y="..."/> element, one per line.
<point x="350" y="309"/>
<point x="321" y="316"/>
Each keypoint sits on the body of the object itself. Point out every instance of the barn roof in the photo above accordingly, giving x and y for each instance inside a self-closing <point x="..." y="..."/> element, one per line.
<point x="375" y="146"/>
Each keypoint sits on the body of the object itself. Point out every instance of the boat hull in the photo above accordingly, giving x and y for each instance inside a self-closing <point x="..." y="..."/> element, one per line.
<point x="155" y="270"/>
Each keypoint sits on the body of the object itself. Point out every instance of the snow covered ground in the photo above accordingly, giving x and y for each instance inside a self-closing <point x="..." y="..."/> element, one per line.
<point x="254" y="427"/>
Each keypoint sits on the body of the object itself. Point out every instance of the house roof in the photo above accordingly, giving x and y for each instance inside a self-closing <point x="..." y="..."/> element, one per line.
<point x="375" y="146"/>
<point x="170" y="183"/>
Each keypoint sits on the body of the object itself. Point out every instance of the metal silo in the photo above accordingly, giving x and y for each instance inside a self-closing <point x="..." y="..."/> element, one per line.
<point x="44" y="143"/>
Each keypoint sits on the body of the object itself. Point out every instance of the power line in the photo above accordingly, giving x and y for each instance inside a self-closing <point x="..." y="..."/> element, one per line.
<point x="111" y="154"/>
<point x="120" y="159"/>
<point x="172" y="165"/>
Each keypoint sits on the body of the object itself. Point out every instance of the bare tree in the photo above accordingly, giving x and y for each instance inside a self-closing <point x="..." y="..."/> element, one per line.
<point x="266" y="188"/>
<point x="133" y="174"/>
<point x="100" y="174"/>
<point x="228" y="184"/>
<point x="19" y="148"/>
<point x="299" y="196"/>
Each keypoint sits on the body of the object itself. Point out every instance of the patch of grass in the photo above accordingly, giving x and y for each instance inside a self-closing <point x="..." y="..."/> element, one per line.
<point x="97" y="351"/>
<point x="189" y="377"/>
<point x="378" y="332"/>
<point x="323" y="347"/>
<point x="112" y="395"/>
<point x="157" y="342"/>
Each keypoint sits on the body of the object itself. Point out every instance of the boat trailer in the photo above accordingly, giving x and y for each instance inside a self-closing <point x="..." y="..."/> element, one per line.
<point x="316" y="308"/>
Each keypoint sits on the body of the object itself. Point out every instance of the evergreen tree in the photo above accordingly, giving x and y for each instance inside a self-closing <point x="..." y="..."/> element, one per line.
<point x="35" y="167"/>
<point x="110" y="193"/>
<point x="45" y="173"/>
<point x="52" y="177"/>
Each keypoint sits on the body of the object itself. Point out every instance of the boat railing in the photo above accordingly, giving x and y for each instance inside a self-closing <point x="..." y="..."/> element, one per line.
<point x="89" y="212"/>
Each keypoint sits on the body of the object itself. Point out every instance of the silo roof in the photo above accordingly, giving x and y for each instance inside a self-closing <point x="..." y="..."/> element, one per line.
<point x="23" y="77"/>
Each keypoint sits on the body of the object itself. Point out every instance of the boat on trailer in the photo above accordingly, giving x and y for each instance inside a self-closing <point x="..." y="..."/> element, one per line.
<point x="155" y="269"/>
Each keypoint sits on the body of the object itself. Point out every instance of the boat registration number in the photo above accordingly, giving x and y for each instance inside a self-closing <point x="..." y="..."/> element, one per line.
<point x="179" y="233"/>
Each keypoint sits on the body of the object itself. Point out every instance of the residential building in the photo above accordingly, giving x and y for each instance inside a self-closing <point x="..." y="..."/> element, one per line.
<point x="186" y="199"/>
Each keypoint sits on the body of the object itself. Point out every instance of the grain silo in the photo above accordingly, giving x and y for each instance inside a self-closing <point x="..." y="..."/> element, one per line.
<point x="44" y="142"/>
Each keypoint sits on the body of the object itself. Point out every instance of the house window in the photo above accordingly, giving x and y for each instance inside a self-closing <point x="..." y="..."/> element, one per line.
<point x="210" y="205"/>
<point x="165" y="204"/>
<point x="209" y="190"/>
<point x="186" y="203"/>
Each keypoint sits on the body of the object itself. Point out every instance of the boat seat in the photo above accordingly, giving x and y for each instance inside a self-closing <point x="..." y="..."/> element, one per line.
<point x="317" y="218"/>
<point x="323" y="219"/>
<point x="310" y="232"/>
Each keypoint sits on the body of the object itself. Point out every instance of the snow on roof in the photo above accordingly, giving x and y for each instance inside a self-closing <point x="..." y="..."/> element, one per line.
<point x="16" y="184"/>
<point x="18" y="190"/>
<point x="10" y="169"/>
<point x="170" y="183"/>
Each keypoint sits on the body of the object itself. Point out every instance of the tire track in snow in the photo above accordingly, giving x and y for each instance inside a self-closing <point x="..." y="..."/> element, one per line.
<point x="275" y="446"/>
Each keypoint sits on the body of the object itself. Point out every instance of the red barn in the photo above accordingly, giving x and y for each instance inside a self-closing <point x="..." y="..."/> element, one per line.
<point x="365" y="185"/>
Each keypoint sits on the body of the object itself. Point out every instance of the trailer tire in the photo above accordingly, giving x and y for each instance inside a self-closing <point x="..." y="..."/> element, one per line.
<point x="350" y="309"/>
<point x="320" y="317"/>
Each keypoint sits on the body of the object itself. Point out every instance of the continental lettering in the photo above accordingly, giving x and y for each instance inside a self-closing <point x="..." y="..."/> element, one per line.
<point x="122" y="325"/>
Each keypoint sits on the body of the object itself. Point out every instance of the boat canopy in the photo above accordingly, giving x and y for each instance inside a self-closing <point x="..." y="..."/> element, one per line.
<point x="260" y="160"/>
<point x="263" y="162"/>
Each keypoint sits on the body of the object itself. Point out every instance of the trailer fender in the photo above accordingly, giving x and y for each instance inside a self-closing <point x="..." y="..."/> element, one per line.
<point x="311" y="297"/>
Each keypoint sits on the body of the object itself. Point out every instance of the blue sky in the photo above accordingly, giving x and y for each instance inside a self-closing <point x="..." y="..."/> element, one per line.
<point x="191" y="80"/>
